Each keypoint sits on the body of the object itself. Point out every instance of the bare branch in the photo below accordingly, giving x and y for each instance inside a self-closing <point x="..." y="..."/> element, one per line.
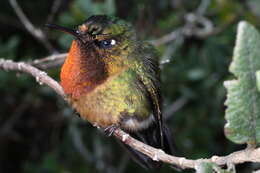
<point x="7" y="127"/>
<point x="40" y="76"/>
<point x="55" y="7"/>
<point x="168" y="37"/>
<point x="55" y="60"/>
<point x="191" y="29"/>
<point x="203" y="6"/>
<point x="196" y="24"/>
<point x="36" y="32"/>
<point x="78" y="143"/>
<point x="174" y="107"/>
<point x="51" y="61"/>
<point x="247" y="155"/>
<point x="95" y="157"/>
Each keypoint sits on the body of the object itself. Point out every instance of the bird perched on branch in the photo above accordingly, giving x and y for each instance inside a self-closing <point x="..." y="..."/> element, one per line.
<point x="112" y="80"/>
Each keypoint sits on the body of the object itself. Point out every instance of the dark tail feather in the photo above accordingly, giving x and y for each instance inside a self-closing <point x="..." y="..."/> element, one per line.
<point x="150" y="136"/>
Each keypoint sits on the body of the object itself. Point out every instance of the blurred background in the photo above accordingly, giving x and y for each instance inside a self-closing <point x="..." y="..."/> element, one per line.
<point x="39" y="133"/>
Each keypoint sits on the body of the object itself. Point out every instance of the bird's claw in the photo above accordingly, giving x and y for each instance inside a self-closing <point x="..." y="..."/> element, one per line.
<point x="110" y="130"/>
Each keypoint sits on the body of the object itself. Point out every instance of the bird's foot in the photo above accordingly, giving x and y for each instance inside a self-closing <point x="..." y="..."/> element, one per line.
<point x="110" y="130"/>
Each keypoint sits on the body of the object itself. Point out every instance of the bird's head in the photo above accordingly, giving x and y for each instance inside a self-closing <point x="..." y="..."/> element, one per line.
<point x="100" y="49"/>
<point x="105" y="34"/>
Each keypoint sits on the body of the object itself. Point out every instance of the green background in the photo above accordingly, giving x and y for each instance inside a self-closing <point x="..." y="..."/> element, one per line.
<point x="40" y="133"/>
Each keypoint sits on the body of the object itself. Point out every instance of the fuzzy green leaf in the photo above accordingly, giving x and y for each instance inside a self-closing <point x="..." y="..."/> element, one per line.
<point x="243" y="97"/>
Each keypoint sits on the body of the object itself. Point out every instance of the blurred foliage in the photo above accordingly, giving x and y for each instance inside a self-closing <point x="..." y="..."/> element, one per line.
<point x="35" y="124"/>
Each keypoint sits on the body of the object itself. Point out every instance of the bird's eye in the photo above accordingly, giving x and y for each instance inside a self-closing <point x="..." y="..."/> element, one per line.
<point x="106" y="43"/>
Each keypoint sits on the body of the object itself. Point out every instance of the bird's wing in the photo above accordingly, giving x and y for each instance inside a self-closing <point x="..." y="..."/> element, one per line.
<point x="149" y="79"/>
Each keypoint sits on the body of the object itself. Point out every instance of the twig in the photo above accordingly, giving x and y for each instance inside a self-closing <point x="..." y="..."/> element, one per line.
<point x="94" y="158"/>
<point x="40" y="76"/>
<point x="7" y="127"/>
<point x="189" y="29"/>
<point x="196" y="24"/>
<point x="170" y="51"/>
<point x="168" y="37"/>
<point x="174" y="107"/>
<point x="78" y="143"/>
<point x="36" y="32"/>
<point x="56" y="60"/>
<point x="49" y="61"/>
<point x="55" y="7"/>
<point x="203" y="6"/>
<point x="247" y="155"/>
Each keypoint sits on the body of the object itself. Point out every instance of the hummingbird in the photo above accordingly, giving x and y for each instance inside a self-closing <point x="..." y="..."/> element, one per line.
<point x="112" y="79"/>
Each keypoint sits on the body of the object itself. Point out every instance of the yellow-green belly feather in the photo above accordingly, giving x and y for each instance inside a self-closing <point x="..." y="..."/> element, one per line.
<point x="116" y="99"/>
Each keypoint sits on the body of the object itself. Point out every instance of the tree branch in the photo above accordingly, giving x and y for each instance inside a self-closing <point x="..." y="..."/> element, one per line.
<point x="196" y="24"/>
<point x="40" y="76"/>
<point x="55" y="7"/>
<point x="48" y="62"/>
<point x="36" y="32"/>
<point x="247" y="155"/>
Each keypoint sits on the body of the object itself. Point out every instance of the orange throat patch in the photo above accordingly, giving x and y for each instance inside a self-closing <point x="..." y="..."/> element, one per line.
<point x="82" y="71"/>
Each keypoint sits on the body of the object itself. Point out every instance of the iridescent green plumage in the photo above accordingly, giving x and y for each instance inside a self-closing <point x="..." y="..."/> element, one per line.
<point x="112" y="79"/>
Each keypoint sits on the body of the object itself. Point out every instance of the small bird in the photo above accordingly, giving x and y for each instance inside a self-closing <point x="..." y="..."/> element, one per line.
<point x="112" y="80"/>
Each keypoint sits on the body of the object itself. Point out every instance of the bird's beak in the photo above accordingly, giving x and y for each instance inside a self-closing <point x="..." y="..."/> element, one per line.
<point x="73" y="32"/>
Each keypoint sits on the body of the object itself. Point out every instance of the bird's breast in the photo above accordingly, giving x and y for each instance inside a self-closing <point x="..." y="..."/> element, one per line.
<point x="104" y="90"/>
<point x="82" y="71"/>
<point x="117" y="101"/>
